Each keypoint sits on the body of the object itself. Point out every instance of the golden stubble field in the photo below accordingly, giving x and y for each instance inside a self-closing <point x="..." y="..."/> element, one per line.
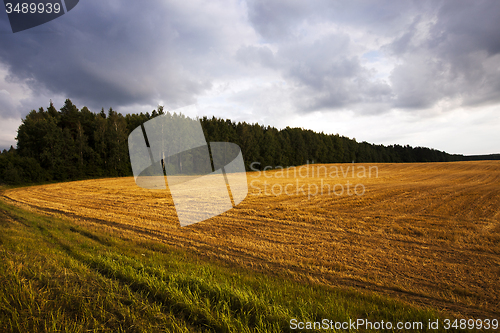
<point x="426" y="233"/>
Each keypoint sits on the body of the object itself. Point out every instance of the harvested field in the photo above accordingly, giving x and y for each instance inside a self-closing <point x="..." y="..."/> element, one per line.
<point x="427" y="233"/>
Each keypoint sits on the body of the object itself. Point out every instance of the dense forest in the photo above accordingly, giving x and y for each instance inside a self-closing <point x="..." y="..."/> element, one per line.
<point x="72" y="144"/>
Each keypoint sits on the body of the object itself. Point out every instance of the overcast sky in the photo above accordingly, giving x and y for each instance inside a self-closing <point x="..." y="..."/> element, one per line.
<point x="424" y="73"/>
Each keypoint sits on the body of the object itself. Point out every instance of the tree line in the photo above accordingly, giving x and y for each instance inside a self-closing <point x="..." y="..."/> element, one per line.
<point x="73" y="144"/>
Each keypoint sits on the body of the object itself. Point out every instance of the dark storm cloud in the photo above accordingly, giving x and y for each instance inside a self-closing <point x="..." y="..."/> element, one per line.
<point x="106" y="53"/>
<point x="466" y="26"/>
<point x="442" y="50"/>
<point x="459" y="57"/>
<point x="329" y="75"/>
<point x="326" y="70"/>
<point x="279" y="20"/>
<point x="115" y="53"/>
<point x="275" y="20"/>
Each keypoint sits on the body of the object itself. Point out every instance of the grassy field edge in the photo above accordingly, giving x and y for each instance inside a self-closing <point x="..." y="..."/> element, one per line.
<point x="57" y="276"/>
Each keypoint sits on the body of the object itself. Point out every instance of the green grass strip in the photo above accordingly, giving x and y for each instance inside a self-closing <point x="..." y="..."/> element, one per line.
<point x="57" y="276"/>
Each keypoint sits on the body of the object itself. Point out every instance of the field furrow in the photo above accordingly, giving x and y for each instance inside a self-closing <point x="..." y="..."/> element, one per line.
<point x="426" y="233"/>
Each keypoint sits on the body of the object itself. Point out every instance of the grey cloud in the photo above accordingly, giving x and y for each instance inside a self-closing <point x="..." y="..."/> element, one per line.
<point x="466" y="26"/>
<point x="469" y="35"/>
<point x="254" y="55"/>
<point x="419" y="83"/>
<point x="403" y="43"/>
<point x="459" y="58"/>
<point x="275" y="20"/>
<point x="345" y="93"/>
<point x="106" y="53"/>
<point x="7" y="105"/>
<point x="280" y="20"/>
<point x="329" y="75"/>
<point x="444" y="50"/>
